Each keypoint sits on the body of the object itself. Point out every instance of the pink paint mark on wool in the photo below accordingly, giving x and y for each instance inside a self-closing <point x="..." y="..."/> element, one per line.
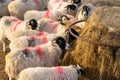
<point x="37" y="2"/>
<point x="44" y="39"/>
<point x="17" y="21"/>
<point x="54" y="27"/>
<point x="47" y="14"/>
<point x="33" y="37"/>
<point x="60" y="4"/>
<point x="59" y="70"/>
<point x="28" y="48"/>
<point x="39" y="51"/>
<point x="40" y="33"/>
<point x="57" y="1"/>
<point x="17" y="25"/>
<point x="60" y="73"/>
<point x="50" y="22"/>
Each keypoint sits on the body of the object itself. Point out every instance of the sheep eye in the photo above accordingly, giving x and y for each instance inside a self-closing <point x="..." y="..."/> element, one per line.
<point x="73" y="7"/>
<point x="88" y="9"/>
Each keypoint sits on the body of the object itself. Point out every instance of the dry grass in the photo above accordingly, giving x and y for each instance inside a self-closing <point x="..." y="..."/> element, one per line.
<point x="100" y="62"/>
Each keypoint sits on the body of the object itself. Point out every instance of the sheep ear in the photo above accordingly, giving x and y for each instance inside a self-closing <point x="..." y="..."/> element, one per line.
<point x="54" y="43"/>
<point x="73" y="66"/>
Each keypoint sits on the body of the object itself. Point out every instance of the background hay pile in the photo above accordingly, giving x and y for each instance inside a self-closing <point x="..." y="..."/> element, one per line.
<point x="104" y="2"/>
<point x="101" y="61"/>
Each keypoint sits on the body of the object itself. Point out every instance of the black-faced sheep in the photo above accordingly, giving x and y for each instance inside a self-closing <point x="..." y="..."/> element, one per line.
<point x="83" y="13"/>
<point x="10" y="24"/>
<point x="51" y="73"/>
<point x="47" y="54"/>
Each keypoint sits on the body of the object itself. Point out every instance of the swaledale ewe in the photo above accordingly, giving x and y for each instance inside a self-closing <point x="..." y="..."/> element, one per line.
<point x="59" y="26"/>
<point x="47" y="54"/>
<point x="35" y="14"/>
<point x="51" y="73"/>
<point x="83" y="13"/>
<point x="10" y="24"/>
<point x="18" y="34"/>
<point x="63" y="7"/>
<point x="31" y="41"/>
<point x="17" y="8"/>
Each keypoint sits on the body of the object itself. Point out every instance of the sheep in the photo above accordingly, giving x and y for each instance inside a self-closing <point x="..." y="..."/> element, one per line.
<point x="64" y="7"/>
<point x="47" y="54"/>
<point x="54" y="26"/>
<point x="9" y="24"/>
<point x="3" y="7"/>
<point x="19" y="7"/>
<point x="50" y="26"/>
<point x="70" y="72"/>
<point x="32" y="41"/>
<point x="83" y="13"/>
<point x="35" y="14"/>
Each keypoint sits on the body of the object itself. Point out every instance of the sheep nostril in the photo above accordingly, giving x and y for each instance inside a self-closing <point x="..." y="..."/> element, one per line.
<point x="67" y="46"/>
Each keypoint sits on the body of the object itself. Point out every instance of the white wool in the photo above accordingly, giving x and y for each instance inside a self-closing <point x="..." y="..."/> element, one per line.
<point x="49" y="73"/>
<point x="3" y="7"/>
<point x="32" y="41"/>
<point x="16" y="61"/>
<point x="18" y="34"/>
<point x="50" y="26"/>
<point x="10" y="24"/>
<point x="19" y="7"/>
<point x="83" y="16"/>
<point x="35" y="14"/>
<point x="58" y="6"/>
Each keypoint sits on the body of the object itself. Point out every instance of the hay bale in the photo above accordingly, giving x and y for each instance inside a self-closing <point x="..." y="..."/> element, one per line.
<point x="99" y="51"/>
<point x="104" y="2"/>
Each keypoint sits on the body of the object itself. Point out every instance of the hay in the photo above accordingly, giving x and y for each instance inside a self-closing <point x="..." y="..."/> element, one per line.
<point x="104" y="2"/>
<point x="100" y="54"/>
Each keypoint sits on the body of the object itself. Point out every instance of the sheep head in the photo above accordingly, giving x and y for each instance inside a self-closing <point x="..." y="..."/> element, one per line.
<point x="33" y="23"/>
<point x="85" y="11"/>
<point x="60" y="41"/>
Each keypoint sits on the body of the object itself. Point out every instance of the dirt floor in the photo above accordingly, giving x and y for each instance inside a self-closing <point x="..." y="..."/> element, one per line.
<point x="2" y="65"/>
<point x="3" y="75"/>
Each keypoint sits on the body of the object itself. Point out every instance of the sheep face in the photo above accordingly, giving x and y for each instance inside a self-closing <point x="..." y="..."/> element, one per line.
<point x="63" y="19"/>
<point x="72" y="8"/>
<point x="85" y="11"/>
<point x="79" y="70"/>
<point x="60" y="42"/>
<point x="33" y="23"/>
<point x="69" y="36"/>
<point x="78" y="2"/>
